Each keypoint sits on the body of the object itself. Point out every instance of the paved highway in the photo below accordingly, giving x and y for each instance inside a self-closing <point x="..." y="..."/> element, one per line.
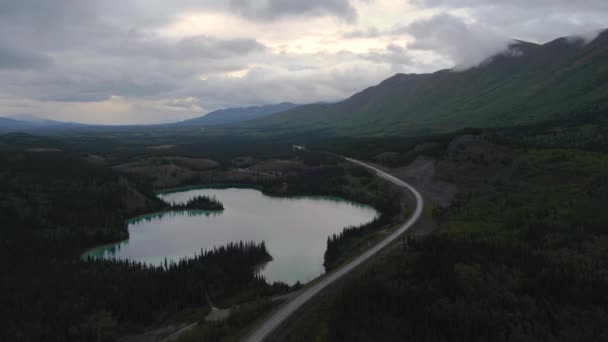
<point x="281" y="315"/>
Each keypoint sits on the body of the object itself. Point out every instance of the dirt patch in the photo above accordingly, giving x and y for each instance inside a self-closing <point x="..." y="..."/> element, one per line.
<point x="421" y="174"/>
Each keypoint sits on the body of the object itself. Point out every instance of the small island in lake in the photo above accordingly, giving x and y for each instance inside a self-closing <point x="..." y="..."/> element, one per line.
<point x="199" y="203"/>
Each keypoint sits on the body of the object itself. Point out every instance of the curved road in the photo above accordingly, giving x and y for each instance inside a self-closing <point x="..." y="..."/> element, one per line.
<point x="278" y="317"/>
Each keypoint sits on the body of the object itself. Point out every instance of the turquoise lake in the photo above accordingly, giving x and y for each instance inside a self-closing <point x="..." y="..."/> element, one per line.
<point x="295" y="230"/>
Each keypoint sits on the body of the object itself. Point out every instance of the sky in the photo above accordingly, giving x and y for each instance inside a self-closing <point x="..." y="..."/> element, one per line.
<point x="155" y="61"/>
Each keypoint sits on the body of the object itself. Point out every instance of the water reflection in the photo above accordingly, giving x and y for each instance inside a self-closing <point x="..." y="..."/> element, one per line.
<point x="163" y="214"/>
<point x="295" y="230"/>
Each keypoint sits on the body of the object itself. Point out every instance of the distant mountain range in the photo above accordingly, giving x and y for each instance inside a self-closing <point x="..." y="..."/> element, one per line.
<point x="31" y="123"/>
<point x="8" y="122"/>
<point x="527" y="84"/>
<point x="234" y="115"/>
<point x="216" y="118"/>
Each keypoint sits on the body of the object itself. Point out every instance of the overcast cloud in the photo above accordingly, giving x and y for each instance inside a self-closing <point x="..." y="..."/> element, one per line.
<point x="149" y="61"/>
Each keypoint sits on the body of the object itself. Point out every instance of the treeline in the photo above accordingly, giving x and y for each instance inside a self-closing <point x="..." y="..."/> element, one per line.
<point x="199" y="203"/>
<point x="334" y="177"/>
<point x="54" y="206"/>
<point x="59" y="197"/>
<point x="338" y="245"/>
<point x="442" y="289"/>
<point x="391" y="151"/>
<point x="187" y="283"/>
<point x="329" y="175"/>
<point x="586" y="130"/>
<point x="96" y="300"/>
<point x="520" y="255"/>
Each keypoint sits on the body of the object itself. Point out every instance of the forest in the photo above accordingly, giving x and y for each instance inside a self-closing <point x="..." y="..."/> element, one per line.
<point x="520" y="254"/>
<point x="55" y="205"/>
<point x="339" y="246"/>
<point x="199" y="203"/>
<point x="46" y="227"/>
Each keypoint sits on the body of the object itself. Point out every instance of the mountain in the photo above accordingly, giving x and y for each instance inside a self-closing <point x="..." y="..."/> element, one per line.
<point x="9" y="124"/>
<point x="529" y="83"/>
<point x="31" y="123"/>
<point x="234" y="115"/>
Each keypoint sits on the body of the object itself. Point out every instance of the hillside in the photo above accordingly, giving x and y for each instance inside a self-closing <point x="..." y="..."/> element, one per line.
<point x="33" y="124"/>
<point x="527" y="84"/>
<point x="8" y="123"/>
<point x="233" y="115"/>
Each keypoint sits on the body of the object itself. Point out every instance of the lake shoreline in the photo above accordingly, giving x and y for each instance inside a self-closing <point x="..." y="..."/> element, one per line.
<point x="221" y="186"/>
<point x="208" y="186"/>
<point x="263" y="220"/>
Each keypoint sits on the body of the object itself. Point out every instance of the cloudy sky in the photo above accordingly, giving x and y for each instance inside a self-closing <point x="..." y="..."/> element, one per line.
<point x="151" y="61"/>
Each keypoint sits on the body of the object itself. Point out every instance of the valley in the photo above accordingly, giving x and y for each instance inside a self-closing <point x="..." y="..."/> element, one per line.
<point x="464" y="204"/>
<point x="122" y="185"/>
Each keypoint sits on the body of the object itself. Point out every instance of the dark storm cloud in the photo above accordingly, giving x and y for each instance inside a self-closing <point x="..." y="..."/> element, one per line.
<point x="137" y="44"/>
<point x="60" y="24"/>
<point x="538" y="20"/>
<point x="393" y="54"/>
<point x="155" y="12"/>
<point x="275" y="9"/>
<point x="100" y="52"/>
<point x="99" y="89"/>
<point x="57" y="52"/>
<point x="465" y="44"/>
<point x="12" y="57"/>
<point x="210" y="47"/>
<point x="578" y="5"/>
<point x="54" y="24"/>
<point x="109" y="48"/>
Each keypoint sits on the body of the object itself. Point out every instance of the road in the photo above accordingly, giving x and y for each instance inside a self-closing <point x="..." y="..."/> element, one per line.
<point x="281" y="315"/>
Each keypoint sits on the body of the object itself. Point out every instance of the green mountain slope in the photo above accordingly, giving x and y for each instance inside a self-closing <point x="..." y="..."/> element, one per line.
<point x="529" y="83"/>
<point x="233" y="115"/>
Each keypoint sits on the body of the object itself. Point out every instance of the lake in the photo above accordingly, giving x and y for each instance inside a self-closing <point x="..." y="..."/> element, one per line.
<point x="294" y="229"/>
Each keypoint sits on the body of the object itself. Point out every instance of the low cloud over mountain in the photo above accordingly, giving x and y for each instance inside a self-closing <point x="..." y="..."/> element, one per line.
<point x="156" y="61"/>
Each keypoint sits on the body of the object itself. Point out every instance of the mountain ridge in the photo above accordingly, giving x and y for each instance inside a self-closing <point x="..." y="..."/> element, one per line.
<point x="237" y="114"/>
<point x="215" y="118"/>
<point x="31" y="123"/>
<point x="528" y="83"/>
